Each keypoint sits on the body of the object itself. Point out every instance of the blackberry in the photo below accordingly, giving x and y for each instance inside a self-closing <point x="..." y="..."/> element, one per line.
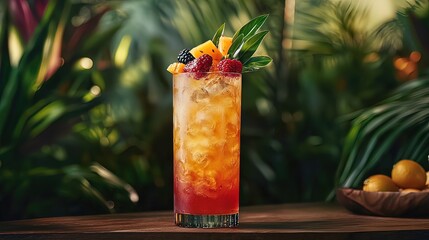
<point x="185" y="56"/>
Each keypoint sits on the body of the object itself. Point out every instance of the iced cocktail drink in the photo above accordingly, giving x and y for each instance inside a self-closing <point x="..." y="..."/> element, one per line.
<point x="206" y="122"/>
<point x="207" y="112"/>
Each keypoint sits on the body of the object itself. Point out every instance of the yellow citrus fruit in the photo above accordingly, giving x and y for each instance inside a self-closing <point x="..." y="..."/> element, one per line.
<point x="409" y="174"/>
<point x="427" y="178"/>
<point x="379" y="183"/>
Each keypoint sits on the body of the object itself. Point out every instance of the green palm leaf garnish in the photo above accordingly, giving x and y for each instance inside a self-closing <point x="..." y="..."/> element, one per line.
<point x="255" y="63"/>
<point x="218" y="34"/>
<point x="245" y="42"/>
<point x="250" y="28"/>
<point x="249" y="47"/>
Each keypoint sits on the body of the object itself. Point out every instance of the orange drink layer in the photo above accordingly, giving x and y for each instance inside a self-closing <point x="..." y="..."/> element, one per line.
<point x="206" y="122"/>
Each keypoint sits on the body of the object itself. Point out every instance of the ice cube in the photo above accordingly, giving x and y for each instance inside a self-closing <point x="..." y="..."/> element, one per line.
<point x="199" y="95"/>
<point x="201" y="117"/>
<point x="216" y="86"/>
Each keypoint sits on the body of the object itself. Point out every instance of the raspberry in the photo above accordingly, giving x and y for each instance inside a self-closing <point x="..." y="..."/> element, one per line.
<point x="199" y="65"/>
<point x="230" y="65"/>
<point x="185" y="56"/>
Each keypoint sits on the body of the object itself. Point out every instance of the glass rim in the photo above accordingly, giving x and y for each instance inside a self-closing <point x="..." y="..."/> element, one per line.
<point x="211" y="73"/>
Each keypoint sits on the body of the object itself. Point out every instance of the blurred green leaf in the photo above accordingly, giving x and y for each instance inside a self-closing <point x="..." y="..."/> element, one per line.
<point x="20" y="84"/>
<point x="5" y="66"/>
<point x="29" y="113"/>
<point x="93" y="193"/>
<point x="40" y="119"/>
<point x="110" y="178"/>
<point x="95" y="42"/>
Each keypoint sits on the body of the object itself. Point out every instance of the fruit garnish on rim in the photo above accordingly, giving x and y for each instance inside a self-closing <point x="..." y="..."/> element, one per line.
<point x="224" y="53"/>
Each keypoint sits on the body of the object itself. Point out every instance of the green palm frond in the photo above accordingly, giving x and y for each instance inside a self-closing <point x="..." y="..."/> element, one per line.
<point x="342" y="42"/>
<point x="20" y="83"/>
<point x="335" y="27"/>
<point x="4" y="60"/>
<point x="395" y="129"/>
<point x="39" y="110"/>
<point x="339" y="43"/>
<point x="409" y="5"/>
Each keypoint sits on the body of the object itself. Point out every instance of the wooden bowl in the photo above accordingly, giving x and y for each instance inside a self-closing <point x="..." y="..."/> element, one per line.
<point x="386" y="204"/>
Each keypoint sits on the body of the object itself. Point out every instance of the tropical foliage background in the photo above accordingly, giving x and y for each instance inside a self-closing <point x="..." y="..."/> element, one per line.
<point x="86" y="112"/>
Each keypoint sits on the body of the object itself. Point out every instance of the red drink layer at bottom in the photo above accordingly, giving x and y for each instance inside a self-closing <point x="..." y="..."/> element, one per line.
<point x="225" y="202"/>
<point x="206" y="122"/>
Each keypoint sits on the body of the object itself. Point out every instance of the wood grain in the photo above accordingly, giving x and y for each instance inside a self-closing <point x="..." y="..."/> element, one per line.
<point x="287" y="221"/>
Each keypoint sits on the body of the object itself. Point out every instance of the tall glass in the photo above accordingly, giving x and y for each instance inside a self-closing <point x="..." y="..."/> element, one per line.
<point x="206" y="123"/>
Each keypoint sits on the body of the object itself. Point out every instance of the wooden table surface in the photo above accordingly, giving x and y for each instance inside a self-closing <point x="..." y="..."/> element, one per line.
<point x="316" y="221"/>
